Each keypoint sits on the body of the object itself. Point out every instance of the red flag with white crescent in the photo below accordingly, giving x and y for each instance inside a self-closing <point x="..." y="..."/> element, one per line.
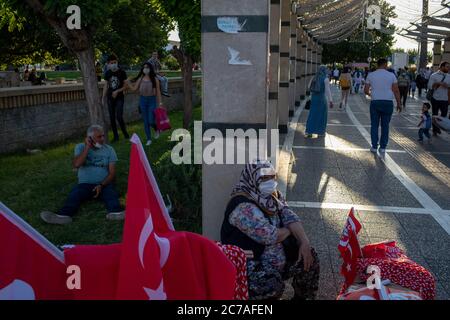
<point x="31" y="268"/>
<point x="349" y="247"/>
<point x="158" y="263"/>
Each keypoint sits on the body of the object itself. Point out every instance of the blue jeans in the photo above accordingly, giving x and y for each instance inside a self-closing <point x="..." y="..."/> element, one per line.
<point x="84" y="192"/>
<point x="164" y="83"/>
<point x="425" y="132"/>
<point x="380" y="111"/>
<point x="148" y="106"/>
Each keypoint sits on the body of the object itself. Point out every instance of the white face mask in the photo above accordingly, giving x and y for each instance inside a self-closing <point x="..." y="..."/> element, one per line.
<point x="113" y="67"/>
<point x="97" y="145"/>
<point x="268" y="187"/>
<point x="146" y="70"/>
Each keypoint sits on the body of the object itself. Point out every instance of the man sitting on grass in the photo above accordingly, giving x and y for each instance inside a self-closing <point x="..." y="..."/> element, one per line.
<point x="96" y="164"/>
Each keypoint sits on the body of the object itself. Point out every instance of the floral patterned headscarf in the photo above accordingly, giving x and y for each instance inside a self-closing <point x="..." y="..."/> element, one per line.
<point x="251" y="178"/>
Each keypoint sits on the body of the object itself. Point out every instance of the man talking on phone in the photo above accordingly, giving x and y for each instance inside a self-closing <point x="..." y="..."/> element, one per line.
<point x="96" y="164"/>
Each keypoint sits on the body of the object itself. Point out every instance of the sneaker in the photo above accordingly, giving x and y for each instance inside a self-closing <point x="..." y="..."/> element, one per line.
<point x="149" y="142"/>
<point x="308" y="135"/>
<point x="420" y="140"/>
<point x="53" y="218"/>
<point x="157" y="134"/>
<point x="165" y="94"/>
<point x="116" y="215"/>
<point x="374" y="150"/>
<point x="382" y="150"/>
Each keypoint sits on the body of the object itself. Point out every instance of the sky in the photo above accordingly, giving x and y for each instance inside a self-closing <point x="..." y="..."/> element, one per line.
<point x="173" y="36"/>
<point x="410" y="11"/>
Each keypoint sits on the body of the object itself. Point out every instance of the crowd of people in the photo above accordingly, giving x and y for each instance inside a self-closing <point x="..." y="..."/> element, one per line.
<point x="384" y="86"/>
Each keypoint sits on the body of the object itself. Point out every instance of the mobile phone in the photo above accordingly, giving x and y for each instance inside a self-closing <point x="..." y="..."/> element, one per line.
<point x="91" y="141"/>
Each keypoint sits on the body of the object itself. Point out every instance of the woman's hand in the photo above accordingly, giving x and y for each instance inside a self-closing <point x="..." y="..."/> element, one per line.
<point x="114" y="94"/>
<point x="305" y="254"/>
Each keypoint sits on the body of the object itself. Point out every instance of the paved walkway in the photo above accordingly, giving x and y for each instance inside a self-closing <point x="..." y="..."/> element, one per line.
<point x="403" y="196"/>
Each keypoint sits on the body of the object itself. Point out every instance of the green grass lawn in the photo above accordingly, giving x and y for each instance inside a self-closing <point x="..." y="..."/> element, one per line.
<point x="33" y="183"/>
<point x="74" y="75"/>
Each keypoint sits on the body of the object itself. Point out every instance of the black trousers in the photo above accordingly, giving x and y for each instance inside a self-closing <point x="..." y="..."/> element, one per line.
<point x="115" y="109"/>
<point x="403" y="94"/>
<point x="436" y="106"/>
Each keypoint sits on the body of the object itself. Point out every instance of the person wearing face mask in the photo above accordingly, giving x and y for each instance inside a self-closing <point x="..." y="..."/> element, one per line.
<point x="258" y="219"/>
<point x="113" y="94"/>
<point x="95" y="162"/>
<point x="150" y="97"/>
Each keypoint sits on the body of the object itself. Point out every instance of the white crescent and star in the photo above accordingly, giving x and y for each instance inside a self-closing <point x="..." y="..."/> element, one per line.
<point x="164" y="252"/>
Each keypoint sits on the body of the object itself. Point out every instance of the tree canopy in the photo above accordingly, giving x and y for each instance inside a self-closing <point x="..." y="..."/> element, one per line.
<point x="377" y="43"/>
<point x="131" y="29"/>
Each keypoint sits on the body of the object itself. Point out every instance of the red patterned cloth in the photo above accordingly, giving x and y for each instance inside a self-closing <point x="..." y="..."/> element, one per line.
<point x="397" y="267"/>
<point x="237" y="256"/>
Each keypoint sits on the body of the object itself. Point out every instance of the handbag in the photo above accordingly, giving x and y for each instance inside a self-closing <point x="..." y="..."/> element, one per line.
<point x="308" y="105"/>
<point x="162" y="119"/>
<point x="430" y="92"/>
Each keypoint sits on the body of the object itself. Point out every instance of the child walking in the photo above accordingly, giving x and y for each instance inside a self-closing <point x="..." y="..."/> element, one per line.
<point x="425" y="122"/>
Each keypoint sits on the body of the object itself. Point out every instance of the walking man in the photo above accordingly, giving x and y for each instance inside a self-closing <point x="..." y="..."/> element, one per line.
<point x="382" y="86"/>
<point x="439" y="83"/>
<point x="113" y="93"/>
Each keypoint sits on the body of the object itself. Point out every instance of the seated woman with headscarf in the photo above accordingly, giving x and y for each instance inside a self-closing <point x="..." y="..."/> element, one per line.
<point x="258" y="218"/>
<point x="318" y="113"/>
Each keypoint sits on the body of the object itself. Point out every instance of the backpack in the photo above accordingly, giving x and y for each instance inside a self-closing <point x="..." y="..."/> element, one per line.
<point x="403" y="81"/>
<point x="344" y="83"/>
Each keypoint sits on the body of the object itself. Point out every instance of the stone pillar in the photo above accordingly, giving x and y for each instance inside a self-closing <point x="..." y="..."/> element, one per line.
<point x="293" y="64"/>
<point x="309" y="67"/>
<point x="319" y="54"/>
<point x="235" y="91"/>
<point x="299" y="73"/>
<point x="437" y="55"/>
<point x="304" y="66"/>
<point x="446" y="53"/>
<point x="274" y="64"/>
<point x="283" y="97"/>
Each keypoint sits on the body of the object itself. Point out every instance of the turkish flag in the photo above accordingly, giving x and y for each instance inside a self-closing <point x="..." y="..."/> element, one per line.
<point x="31" y="268"/>
<point x="158" y="263"/>
<point x="99" y="266"/>
<point x="349" y="248"/>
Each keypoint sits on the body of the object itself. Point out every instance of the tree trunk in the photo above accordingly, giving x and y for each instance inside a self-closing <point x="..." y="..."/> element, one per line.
<point x="185" y="61"/>
<point x="80" y="43"/>
<point x="187" y="87"/>
<point x="91" y="89"/>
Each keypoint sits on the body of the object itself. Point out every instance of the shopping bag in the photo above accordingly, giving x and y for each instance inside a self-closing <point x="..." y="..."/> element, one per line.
<point x="162" y="119"/>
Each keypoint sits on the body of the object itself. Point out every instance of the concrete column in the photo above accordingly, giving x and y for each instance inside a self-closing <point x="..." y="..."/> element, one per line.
<point x="304" y="66"/>
<point x="299" y="65"/>
<point x="274" y="64"/>
<point x="293" y="64"/>
<point x="283" y="97"/>
<point x="446" y="53"/>
<point x="319" y="55"/>
<point x="235" y="91"/>
<point x="437" y="55"/>
<point x="309" y="61"/>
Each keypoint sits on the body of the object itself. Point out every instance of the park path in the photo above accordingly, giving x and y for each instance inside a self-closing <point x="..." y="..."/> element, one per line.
<point x="402" y="196"/>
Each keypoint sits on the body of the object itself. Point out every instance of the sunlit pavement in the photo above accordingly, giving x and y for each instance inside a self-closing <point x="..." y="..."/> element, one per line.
<point x="402" y="196"/>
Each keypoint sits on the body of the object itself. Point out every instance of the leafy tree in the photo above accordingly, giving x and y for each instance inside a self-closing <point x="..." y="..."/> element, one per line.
<point x="126" y="27"/>
<point x="378" y="43"/>
<point x="187" y="15"/>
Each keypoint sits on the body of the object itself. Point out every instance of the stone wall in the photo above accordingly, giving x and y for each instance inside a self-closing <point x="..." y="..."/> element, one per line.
<point x="32" y="117"/>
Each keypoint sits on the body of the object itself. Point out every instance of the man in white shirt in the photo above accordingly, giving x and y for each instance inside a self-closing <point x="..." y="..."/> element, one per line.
<point x="382" y="86"/>
<point x="440" y="83"/>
